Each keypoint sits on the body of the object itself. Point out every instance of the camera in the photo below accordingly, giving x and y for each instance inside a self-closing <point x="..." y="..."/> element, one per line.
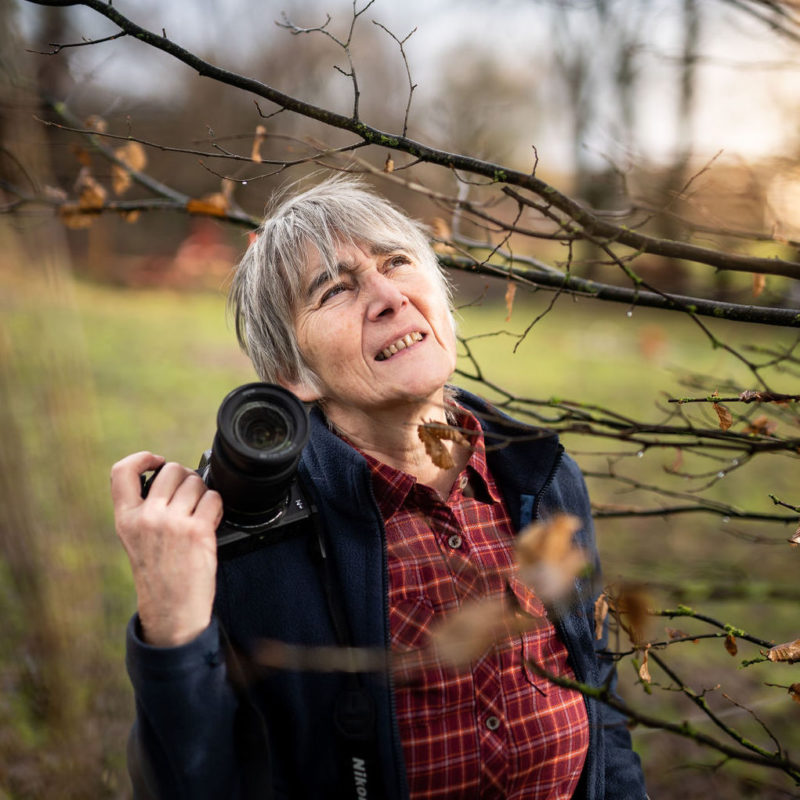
<point x="262" y="429"/>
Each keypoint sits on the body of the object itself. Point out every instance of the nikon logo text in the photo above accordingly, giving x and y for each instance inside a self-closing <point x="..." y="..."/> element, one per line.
<point x="360" y="776"/>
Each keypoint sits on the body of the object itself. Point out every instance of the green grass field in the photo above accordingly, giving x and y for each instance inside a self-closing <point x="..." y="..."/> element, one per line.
<point x="96" y="372"/>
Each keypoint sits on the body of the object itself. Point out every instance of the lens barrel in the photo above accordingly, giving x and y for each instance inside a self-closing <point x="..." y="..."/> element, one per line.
<point x="262" y="429"/>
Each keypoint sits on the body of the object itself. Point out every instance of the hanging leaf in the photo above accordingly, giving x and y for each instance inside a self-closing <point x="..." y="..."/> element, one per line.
<point x="96" y="123"/>
<point x="131" y="216"/>
<point x="724" y="416"/>
<point x="511" y="290"/>
<point x="759" y="283"/>
<point x="794" y="691"/>
<point x="789" y="652"/>
<point x="548" y="559"/>
<point x="600" y="614"/>
<point x="73" y="217"/>
<point x="633" y="604"/>
<point x="441" y="230"/>
<point x="82" y="155"/>
<point x="133" y="156"/>
<point x="91" y="195"/>
<point x="644" y="669"/>
<point x="260" y="134"/>
<point x="466" y="634"/>
<point x="388" y="165"/>
<point x="761" y="426"/>
<point x="730" y="644"/>
<point x="432" y="434"/>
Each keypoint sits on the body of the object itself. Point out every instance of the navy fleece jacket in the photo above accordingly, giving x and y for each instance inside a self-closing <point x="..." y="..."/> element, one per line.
<point x="196" y="738"/>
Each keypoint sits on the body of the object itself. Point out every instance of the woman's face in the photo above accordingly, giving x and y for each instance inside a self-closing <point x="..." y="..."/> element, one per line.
<point x="378" y="335"/>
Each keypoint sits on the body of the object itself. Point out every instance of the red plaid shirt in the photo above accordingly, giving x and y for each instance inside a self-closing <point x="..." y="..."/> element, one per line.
<point x="493" y="729"/>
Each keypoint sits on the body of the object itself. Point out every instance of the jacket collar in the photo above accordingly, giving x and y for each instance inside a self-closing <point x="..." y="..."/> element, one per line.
<point x="341" y="474"/>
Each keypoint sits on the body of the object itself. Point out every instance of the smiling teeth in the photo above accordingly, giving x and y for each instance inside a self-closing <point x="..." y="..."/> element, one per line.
<point x="400" y="344"/>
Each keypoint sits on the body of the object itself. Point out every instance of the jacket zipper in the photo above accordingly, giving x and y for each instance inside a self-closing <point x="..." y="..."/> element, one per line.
<point x="550" y="478"/>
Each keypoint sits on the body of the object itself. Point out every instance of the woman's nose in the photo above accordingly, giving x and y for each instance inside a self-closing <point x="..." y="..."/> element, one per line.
<point x="384" y="297"/>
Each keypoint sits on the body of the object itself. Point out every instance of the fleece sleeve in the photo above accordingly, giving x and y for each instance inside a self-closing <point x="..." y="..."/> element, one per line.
<point x="183" y="741"/>
<point x="621" y="766"/>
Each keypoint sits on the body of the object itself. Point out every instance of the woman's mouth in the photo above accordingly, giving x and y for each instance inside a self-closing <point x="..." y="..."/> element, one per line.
<point x="401" y="344"/>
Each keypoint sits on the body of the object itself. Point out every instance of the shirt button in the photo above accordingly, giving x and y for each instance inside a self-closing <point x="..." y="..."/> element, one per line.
<point x="492" y="723"/>
<point x="462" y="483"/>
<point x="454" y="541"/>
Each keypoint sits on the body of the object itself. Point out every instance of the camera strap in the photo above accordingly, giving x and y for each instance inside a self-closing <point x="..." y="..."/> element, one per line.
<point x="354" y="713"/>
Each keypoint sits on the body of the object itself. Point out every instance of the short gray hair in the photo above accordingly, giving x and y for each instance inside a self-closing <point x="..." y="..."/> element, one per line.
<point x="267" y="285"/>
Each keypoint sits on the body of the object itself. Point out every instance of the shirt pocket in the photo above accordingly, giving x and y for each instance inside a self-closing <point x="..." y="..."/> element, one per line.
<point x="533" y="642"/>
<point x="424" y="687"/>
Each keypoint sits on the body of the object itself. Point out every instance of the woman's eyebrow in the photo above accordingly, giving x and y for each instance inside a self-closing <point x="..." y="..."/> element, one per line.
<point x="323" y="276"/>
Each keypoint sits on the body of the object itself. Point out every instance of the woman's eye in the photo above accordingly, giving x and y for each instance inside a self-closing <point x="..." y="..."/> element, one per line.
<point x="332" y="291"/>
<point x="399" y="261"/>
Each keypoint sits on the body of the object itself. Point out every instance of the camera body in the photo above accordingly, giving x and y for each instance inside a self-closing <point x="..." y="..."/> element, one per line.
<point x="262" y="429"/>
<point x="237" y="537"/>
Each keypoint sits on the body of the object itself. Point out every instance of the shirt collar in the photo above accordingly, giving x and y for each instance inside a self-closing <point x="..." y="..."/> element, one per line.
<point x="392" y="486"/>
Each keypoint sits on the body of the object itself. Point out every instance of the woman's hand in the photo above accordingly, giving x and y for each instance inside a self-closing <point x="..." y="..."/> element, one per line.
<point x="171" y="543"/>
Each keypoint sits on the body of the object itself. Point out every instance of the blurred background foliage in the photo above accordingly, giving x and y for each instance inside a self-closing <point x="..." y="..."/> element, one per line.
<point x="114" y="335"/>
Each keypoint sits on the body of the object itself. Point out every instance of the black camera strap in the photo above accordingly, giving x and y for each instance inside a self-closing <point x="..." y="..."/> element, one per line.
<point x="354" y="711"/>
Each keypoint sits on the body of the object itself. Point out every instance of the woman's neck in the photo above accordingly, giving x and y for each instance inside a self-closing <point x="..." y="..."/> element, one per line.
<point x="391" y="436"/>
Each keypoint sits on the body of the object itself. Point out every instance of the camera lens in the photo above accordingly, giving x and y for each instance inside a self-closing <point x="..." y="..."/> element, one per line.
<point x="262" y="427"/>
<point x="261" y="431"/>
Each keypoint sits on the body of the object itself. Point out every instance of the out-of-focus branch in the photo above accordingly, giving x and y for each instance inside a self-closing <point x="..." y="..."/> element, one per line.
<point x="582" y="219"/>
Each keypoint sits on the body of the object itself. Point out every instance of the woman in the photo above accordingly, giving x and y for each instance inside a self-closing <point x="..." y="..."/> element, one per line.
<point x="341" y="300"/>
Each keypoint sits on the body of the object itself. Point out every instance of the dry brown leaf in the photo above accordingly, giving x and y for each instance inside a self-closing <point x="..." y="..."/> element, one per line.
<point x="212" y="205"/>
<point x="511" y="290"/>
<point x="789" y="652"/>
<point x="759" y="283"/>
<point x="388" y="165"/>
<point x="82" y="155"/>
<point x="676" y="633"/>
<point x="795" y="537"/>
<point x="73" y="217"/>
<point x="794" y="691"/>
<point x="258" y="138"/>
<point x="644" y="669"/>
<point x="441" y="230"/>
<point x="600" y="614"/>
<point x="91" y="195"/>
<point x="548" y="559"/>
<point x="120" y="179"/>
<point x="730" y="644"/>
<point x="435" y="448"/>
<point x="133" y="157"/>
<point x="724" y="416"/>
<point x="432" y="434"/>
<point x="632" y="602"/>
<point x="96" y="123"/>
<point x="130" y="216"/>
<point x="761" y="426"/>
<point x="466" y="634"/>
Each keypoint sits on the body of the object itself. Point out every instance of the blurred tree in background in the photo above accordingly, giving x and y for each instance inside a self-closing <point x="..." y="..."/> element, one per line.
<point x="638" y="152"/>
